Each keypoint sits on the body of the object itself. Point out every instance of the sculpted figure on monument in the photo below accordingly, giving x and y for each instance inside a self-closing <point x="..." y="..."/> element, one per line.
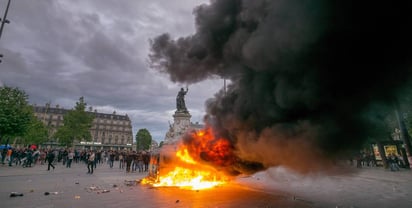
<point x="180" y="100"/>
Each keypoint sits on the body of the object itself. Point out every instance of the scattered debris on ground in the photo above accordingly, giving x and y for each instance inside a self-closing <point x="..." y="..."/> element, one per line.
<point x="132" y="183"/>
<point x="51" y="193"/>
<point x="97" y="189"/>
<point x="15" y="194"/>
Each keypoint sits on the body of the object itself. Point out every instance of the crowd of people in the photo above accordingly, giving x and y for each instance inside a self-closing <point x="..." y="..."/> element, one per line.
<point x="130" y="161"/>
<point x="364" y="159"/>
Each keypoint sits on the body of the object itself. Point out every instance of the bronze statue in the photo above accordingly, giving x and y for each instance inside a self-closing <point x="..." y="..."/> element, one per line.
<point x="180" y="100"/>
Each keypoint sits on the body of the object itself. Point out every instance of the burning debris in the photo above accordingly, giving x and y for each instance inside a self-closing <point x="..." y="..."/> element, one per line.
<point x="178" y="168"/>
<point x="302" y="76"/>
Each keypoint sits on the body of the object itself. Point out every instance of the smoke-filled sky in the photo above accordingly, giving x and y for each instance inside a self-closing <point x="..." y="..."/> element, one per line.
<point x="59" y="50"/>
<point x="304" y="74"/>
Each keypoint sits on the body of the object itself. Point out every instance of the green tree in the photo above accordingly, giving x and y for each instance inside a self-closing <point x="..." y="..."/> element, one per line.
<point x="76" y="125"/>
<point x="36" y="133"/>
<point x="15" y="113"/>
<point x="143" y="139"/>
<point x="405" y="100"/>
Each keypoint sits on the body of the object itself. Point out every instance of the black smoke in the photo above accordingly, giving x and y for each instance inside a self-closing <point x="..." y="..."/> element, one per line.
<point x="302" y="74"/>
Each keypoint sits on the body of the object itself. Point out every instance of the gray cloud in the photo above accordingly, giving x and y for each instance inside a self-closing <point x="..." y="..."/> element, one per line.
<point x="58" y="51"/>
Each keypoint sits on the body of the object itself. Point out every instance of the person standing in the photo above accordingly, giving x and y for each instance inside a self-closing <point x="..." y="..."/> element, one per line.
<point x="98" y="157"/>
<point x="70" y="157"/>
<point x="140" y="163"/>
<point x="146" y="161"/>
<point x="111" y="158"/>
<point x="121" y="161"/>
<point x="90" y="162"/>
<point x="129" y="159"/>
<point x="50" y="159"/>
<point x="43" y="155"/>
<point x="8" y="154"/>
<point x="12" y="156"/>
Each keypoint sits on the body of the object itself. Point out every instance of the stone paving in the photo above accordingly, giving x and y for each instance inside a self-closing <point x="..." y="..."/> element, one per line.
<point x="353" y="187"/>
<point x="277" y="187"/>
<point x="76" y="188"/>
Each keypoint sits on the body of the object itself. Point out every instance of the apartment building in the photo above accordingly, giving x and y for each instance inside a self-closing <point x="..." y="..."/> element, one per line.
<point x="108" y="131"/>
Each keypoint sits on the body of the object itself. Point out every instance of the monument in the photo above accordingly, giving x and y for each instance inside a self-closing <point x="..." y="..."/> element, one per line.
<point x="181" y="122"/>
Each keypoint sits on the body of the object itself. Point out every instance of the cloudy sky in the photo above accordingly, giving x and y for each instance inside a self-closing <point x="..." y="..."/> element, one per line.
<point x="59" y="50"/>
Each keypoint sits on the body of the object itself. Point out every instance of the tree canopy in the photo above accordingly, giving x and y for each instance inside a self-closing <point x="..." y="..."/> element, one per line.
<point x="36" y="132"/>
<point x="143" y="139"/>
<point x="15" y="112"/>
<point x="76" y="125"/>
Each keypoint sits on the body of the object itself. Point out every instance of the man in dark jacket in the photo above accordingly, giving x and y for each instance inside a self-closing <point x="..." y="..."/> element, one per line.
<point x="50" y="159"/>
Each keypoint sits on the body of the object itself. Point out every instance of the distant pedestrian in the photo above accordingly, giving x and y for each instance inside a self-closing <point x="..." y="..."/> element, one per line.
<point x="99" y="157"/>
<point x="50" y="158"/>
<point x="129" y="160"/>
<point x="146" y="161"/>
<point x="43" y="156"/>
<point x="8" y="154"/>
<point x="393" y="162"/>
<point x="111" y="158"/>
<point x="121" y="161"/>
<point x="90" y="162"/>
<point x="140" y="163"/>
<point x="359" y="161"/>
<point x="95" y="160"/>
<point x="70" y="157"/>
<point x="12" y="156"/>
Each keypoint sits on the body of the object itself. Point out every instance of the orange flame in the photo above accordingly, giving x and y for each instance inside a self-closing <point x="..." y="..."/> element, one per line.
<point x="191" y="165"/>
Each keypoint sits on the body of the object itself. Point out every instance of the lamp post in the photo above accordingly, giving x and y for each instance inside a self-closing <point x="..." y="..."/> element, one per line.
<point x="3" y="21"/>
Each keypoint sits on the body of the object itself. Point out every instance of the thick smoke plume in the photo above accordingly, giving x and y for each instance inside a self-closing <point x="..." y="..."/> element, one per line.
<point x="302" y="73"/>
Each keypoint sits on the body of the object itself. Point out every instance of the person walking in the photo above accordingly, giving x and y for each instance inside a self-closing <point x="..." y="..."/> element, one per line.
<point x="90" y="162"/>
<point x="50" y="159"/>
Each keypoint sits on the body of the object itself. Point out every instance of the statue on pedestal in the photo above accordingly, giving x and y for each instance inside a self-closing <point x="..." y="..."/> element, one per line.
<point x="180" y="100"/>
<point x="181" y="117"/>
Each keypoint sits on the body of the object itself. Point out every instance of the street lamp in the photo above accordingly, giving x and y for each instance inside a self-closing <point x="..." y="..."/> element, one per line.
<point x="3" y="21"/>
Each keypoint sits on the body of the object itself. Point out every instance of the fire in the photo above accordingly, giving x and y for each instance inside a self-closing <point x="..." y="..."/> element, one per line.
<point x="191" y="175"/>
<point x="195" y="165"/>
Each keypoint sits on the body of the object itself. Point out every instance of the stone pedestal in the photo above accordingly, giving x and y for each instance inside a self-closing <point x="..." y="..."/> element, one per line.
<point x="179" y="127"/>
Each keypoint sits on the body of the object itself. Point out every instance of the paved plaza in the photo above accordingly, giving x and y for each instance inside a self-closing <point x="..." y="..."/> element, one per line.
<point x="277" y="187"/>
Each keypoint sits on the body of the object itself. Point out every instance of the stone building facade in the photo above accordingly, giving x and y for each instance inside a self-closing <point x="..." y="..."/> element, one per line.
<point x="108" y="131"/>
